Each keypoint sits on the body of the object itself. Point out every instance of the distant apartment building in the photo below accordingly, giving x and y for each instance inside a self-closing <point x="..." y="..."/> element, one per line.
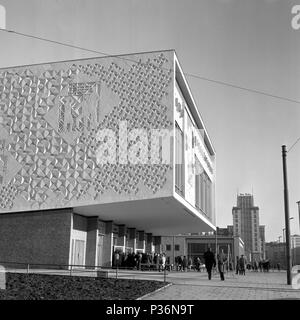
<point x="246" y="225"/>
<point x="230" y="230"/>
<point x="276" y="252"/>
<point x="295" y="249"/>
<point x="262" y="241"/>
<point x="225" y="231"/>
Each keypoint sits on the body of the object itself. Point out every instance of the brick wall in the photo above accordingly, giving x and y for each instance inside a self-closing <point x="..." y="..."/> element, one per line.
<point x="36" y="237"/>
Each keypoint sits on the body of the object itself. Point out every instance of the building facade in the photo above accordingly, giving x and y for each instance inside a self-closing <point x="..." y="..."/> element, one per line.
<point x="246" y="225"/>
<point x="276" y="252"/>
<point x="194" y="246"/>
<point x="295" y="249"/>
<point x="99" y="154"/>
<point x="262" y="241"/>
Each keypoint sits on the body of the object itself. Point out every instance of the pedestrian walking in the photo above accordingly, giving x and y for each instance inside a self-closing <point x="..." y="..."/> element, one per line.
<point x="139" y="262"/>
<point x="260" y="265"/>
<point x="179" y="263"/>
<point x="184" y="263"/>
<point x="237" y="267"/>
<point x="242" y="265"/>
<point x="255" y="266"/>
<point x="190" y="264"/>
<point x="117" y="259"/>
<point x="163" y="261"/>
<point x="198" y="263"/>
<point x="221" y="264"/>
<point x="210" y="261"/>
<point x="278" y="266"/>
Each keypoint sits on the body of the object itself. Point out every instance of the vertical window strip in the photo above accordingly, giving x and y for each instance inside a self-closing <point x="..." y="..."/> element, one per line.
<point x="179" y="160"/>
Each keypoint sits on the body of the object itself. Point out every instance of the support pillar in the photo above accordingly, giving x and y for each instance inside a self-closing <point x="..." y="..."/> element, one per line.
<point x="149" y="243"/>
<point x="141" y="243"/>
<point x="132" y="238"/>
<point x="121" y="241"/>
<point x="157" y="244"/>
<point x="108" y="244"/>
<point x="91" y="242"/>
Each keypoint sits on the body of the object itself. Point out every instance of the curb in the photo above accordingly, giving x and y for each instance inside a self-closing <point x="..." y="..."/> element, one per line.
<point x="155" y="291"/>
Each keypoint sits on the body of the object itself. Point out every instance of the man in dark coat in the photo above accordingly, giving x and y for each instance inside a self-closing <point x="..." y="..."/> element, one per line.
<point x="210" y="261"/>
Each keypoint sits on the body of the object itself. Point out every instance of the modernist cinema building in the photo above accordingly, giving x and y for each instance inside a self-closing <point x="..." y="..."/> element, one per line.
<point x="68" y="195"/>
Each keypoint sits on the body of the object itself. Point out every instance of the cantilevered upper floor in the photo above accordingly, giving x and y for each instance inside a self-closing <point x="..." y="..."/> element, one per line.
<point x="119" y="137"/>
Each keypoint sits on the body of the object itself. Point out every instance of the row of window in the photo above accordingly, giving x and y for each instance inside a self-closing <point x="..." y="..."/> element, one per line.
<point x="203" y="185"/>
<point x="203" y="190"/>
<point x="169" y="247"/>
<point x="179" y="168"/>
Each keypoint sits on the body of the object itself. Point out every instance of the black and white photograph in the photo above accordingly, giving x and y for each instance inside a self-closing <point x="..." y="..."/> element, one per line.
<point x="149" y="153"/>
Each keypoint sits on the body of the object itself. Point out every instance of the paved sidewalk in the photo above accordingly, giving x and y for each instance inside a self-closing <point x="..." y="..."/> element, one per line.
<point x="252" y="286"/>
<point x="193" y="285"/>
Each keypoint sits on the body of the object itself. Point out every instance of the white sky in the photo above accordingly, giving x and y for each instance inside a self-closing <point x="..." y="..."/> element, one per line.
<point x="247" y="43"/>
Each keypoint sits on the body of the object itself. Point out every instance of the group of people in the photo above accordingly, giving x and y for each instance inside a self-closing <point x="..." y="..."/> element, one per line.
<point x="159" y="262"/>
<point x="210" y="262"/>
<point x="182" y="263"/>
<point x="140" y="261"/>
<point x="242" y="265"/>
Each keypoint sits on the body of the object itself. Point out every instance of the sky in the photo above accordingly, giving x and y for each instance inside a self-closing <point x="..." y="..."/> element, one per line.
<point x="247" y="43"/>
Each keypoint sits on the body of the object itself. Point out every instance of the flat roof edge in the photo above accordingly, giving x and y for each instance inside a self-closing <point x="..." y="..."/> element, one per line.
<point x="188" y="92"/>
<point x="91" y="58"/>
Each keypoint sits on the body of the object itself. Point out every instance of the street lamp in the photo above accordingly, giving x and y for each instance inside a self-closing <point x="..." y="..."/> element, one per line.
<point x="299" y="210"/>
<point x="287" y="216"/>
<point x="285" y="239"/>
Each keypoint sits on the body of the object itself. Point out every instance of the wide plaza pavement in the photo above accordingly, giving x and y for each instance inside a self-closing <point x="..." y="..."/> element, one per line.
<point x="253" y="286"/>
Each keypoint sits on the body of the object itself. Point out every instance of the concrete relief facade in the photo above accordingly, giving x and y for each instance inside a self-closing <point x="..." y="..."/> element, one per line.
<point x="50" y="117"/>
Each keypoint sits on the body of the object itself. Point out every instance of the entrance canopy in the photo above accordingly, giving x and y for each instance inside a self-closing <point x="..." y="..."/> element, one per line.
<point x="159" y="216"/>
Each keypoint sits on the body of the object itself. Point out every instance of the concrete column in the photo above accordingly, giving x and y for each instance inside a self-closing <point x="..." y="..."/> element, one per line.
<point x="92" y="241"/>
<point x="121" y="241"/>
<point x="141" y="243"/>
<point x="157" y="244"/>
<point x="149" y="243"/>
<point x="108" y="244"/>
<point x="132" y="238"/>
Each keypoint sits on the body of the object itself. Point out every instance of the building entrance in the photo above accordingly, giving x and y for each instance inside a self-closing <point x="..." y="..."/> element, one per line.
<point x="78" y="257"/>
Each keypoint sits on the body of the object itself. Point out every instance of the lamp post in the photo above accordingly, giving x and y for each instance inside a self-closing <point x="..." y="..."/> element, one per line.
<point x="216" y="243"/>
<point x="285" y="239"/>
<point x="299" y="210"/>
<point x="293" y="253"/>
<point x="287" y="219"/>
